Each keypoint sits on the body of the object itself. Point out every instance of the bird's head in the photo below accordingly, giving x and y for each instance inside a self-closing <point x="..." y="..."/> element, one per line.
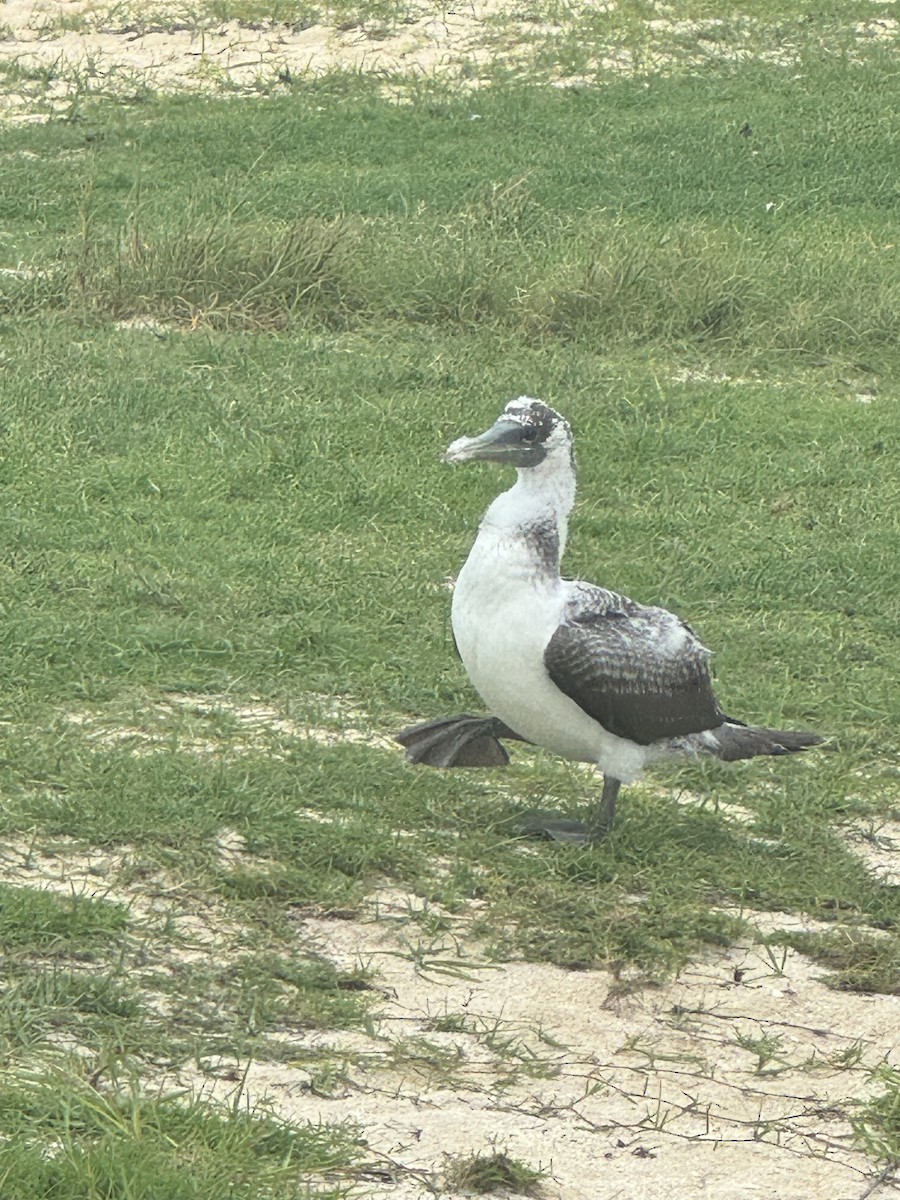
<point x="525" y="434"/>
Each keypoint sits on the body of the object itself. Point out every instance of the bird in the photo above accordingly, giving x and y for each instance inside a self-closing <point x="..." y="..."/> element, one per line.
<point x="575" y="668"/>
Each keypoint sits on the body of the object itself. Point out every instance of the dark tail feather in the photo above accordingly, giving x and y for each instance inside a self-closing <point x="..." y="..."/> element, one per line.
<point x="463" y="741"/>
<point x="750" y="741"/>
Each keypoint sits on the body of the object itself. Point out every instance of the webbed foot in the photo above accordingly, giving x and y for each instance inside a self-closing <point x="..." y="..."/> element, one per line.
<point x="553" y="828"/>
<point x="463" y="741"/>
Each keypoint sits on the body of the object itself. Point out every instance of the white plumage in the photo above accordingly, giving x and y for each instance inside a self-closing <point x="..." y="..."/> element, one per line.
<point x="505" y="610"/>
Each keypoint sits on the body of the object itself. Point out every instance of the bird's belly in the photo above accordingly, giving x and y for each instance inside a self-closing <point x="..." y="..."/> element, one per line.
<point x="531" y="705"/>
<point x="501" y="636"/>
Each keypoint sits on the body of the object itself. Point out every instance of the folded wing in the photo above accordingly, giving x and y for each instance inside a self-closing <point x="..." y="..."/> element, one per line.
<point x="639" y="671"/>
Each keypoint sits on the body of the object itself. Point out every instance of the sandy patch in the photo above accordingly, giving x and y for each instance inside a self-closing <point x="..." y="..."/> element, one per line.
<point x="67" y="868"/>
<point x="745" y="1068"/>
<point x="193" y="724"/>
<point x="58" y="51"/>
<point x="157" y="46"/>
<point x="879" y="848"/>
<point x="736" y="1080"/>
<point x="146" y="325"/>
<point x="123" y="876"/>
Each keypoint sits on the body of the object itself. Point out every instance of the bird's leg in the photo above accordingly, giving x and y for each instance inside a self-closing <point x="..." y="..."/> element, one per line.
<point x="561" y="829"/>
<point x="600" y="820"/>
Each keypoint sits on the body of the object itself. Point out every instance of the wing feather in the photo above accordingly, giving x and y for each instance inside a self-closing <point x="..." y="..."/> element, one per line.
<point x="639" y="671"/>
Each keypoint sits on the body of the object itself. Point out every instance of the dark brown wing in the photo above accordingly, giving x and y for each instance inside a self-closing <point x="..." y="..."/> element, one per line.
<point x="639" y="671"/>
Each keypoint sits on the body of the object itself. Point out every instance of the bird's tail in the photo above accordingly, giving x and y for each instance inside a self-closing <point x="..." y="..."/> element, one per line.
<point x="734" y="740"/>
<point x="463" y="741"/>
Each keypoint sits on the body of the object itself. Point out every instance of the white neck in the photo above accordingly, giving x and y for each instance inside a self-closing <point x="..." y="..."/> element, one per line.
<point x="540" y="500"/>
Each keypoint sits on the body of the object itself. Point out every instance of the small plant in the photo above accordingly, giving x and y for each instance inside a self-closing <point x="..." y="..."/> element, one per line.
<point x="777" y="961"/>
<point x="877" y="1125"/>
<point x="449" y="1023"/>
<point x="848" y="1058"/>
<point x="767" y="1048"/>
<point x="329" y="1080"/>
<point x="487" y="1173"/>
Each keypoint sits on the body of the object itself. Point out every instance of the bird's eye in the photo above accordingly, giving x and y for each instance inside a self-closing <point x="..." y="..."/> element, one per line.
<point x="529" y="433"/>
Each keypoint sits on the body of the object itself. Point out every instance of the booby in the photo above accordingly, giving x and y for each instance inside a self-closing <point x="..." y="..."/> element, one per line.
<point x="575" y="668"/>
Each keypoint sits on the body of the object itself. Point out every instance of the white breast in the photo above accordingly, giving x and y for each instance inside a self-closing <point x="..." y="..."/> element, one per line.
<point x="504" y="612"/>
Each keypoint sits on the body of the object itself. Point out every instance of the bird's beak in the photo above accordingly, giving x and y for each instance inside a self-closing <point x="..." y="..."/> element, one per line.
<point x="501" y="443"/>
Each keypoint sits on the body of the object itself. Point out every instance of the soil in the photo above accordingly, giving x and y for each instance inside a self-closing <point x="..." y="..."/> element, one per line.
<point x="166" y="51"/>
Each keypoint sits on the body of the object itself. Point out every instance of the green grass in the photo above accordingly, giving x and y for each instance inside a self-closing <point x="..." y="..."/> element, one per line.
<point x="877" y="1124"/>
<point x="125" y="989"/>
<point x="243" y="512"/>
<point x="241" y="501"/>
<point x="774" y="246"/>
<point x="856" y="962"/>
<point x="62" y="1140"/>
<point x="40" y="921"/>
<point x="375" y="17"/>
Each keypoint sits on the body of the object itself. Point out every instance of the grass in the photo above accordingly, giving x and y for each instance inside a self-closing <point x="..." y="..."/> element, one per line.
<point x="486" y="1174"/>
<point x="758" y="247"/>
<point x="223" y="274"/>
<point x="65" y="1140"/>
<point x="877" y="1125"/>
<point x="235" y="340"/>
<point x="378" y="17"/>
<point x="856" y="962"/>
<point x="38" y="920"/>
<point x="257" y="509"/>
<point x="125" y="988"/>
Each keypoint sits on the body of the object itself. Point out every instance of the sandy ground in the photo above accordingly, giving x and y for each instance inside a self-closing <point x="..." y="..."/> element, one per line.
<point x="658" y="1094"/>
<point x="739" y="1079"/>
<point x="64" y="49"/>
<point x="168" y="51"/>
<point x="645" y="1095"/>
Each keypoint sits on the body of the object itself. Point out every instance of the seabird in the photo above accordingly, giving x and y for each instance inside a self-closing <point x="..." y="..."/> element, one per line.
<point x="582" y="671"/>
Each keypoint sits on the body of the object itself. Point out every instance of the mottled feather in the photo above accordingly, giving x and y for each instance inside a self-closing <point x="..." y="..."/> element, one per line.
<point x="639" y="671"/>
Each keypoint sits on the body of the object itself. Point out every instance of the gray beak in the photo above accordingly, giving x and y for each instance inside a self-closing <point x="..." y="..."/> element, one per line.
<point x="502" y="443"/>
